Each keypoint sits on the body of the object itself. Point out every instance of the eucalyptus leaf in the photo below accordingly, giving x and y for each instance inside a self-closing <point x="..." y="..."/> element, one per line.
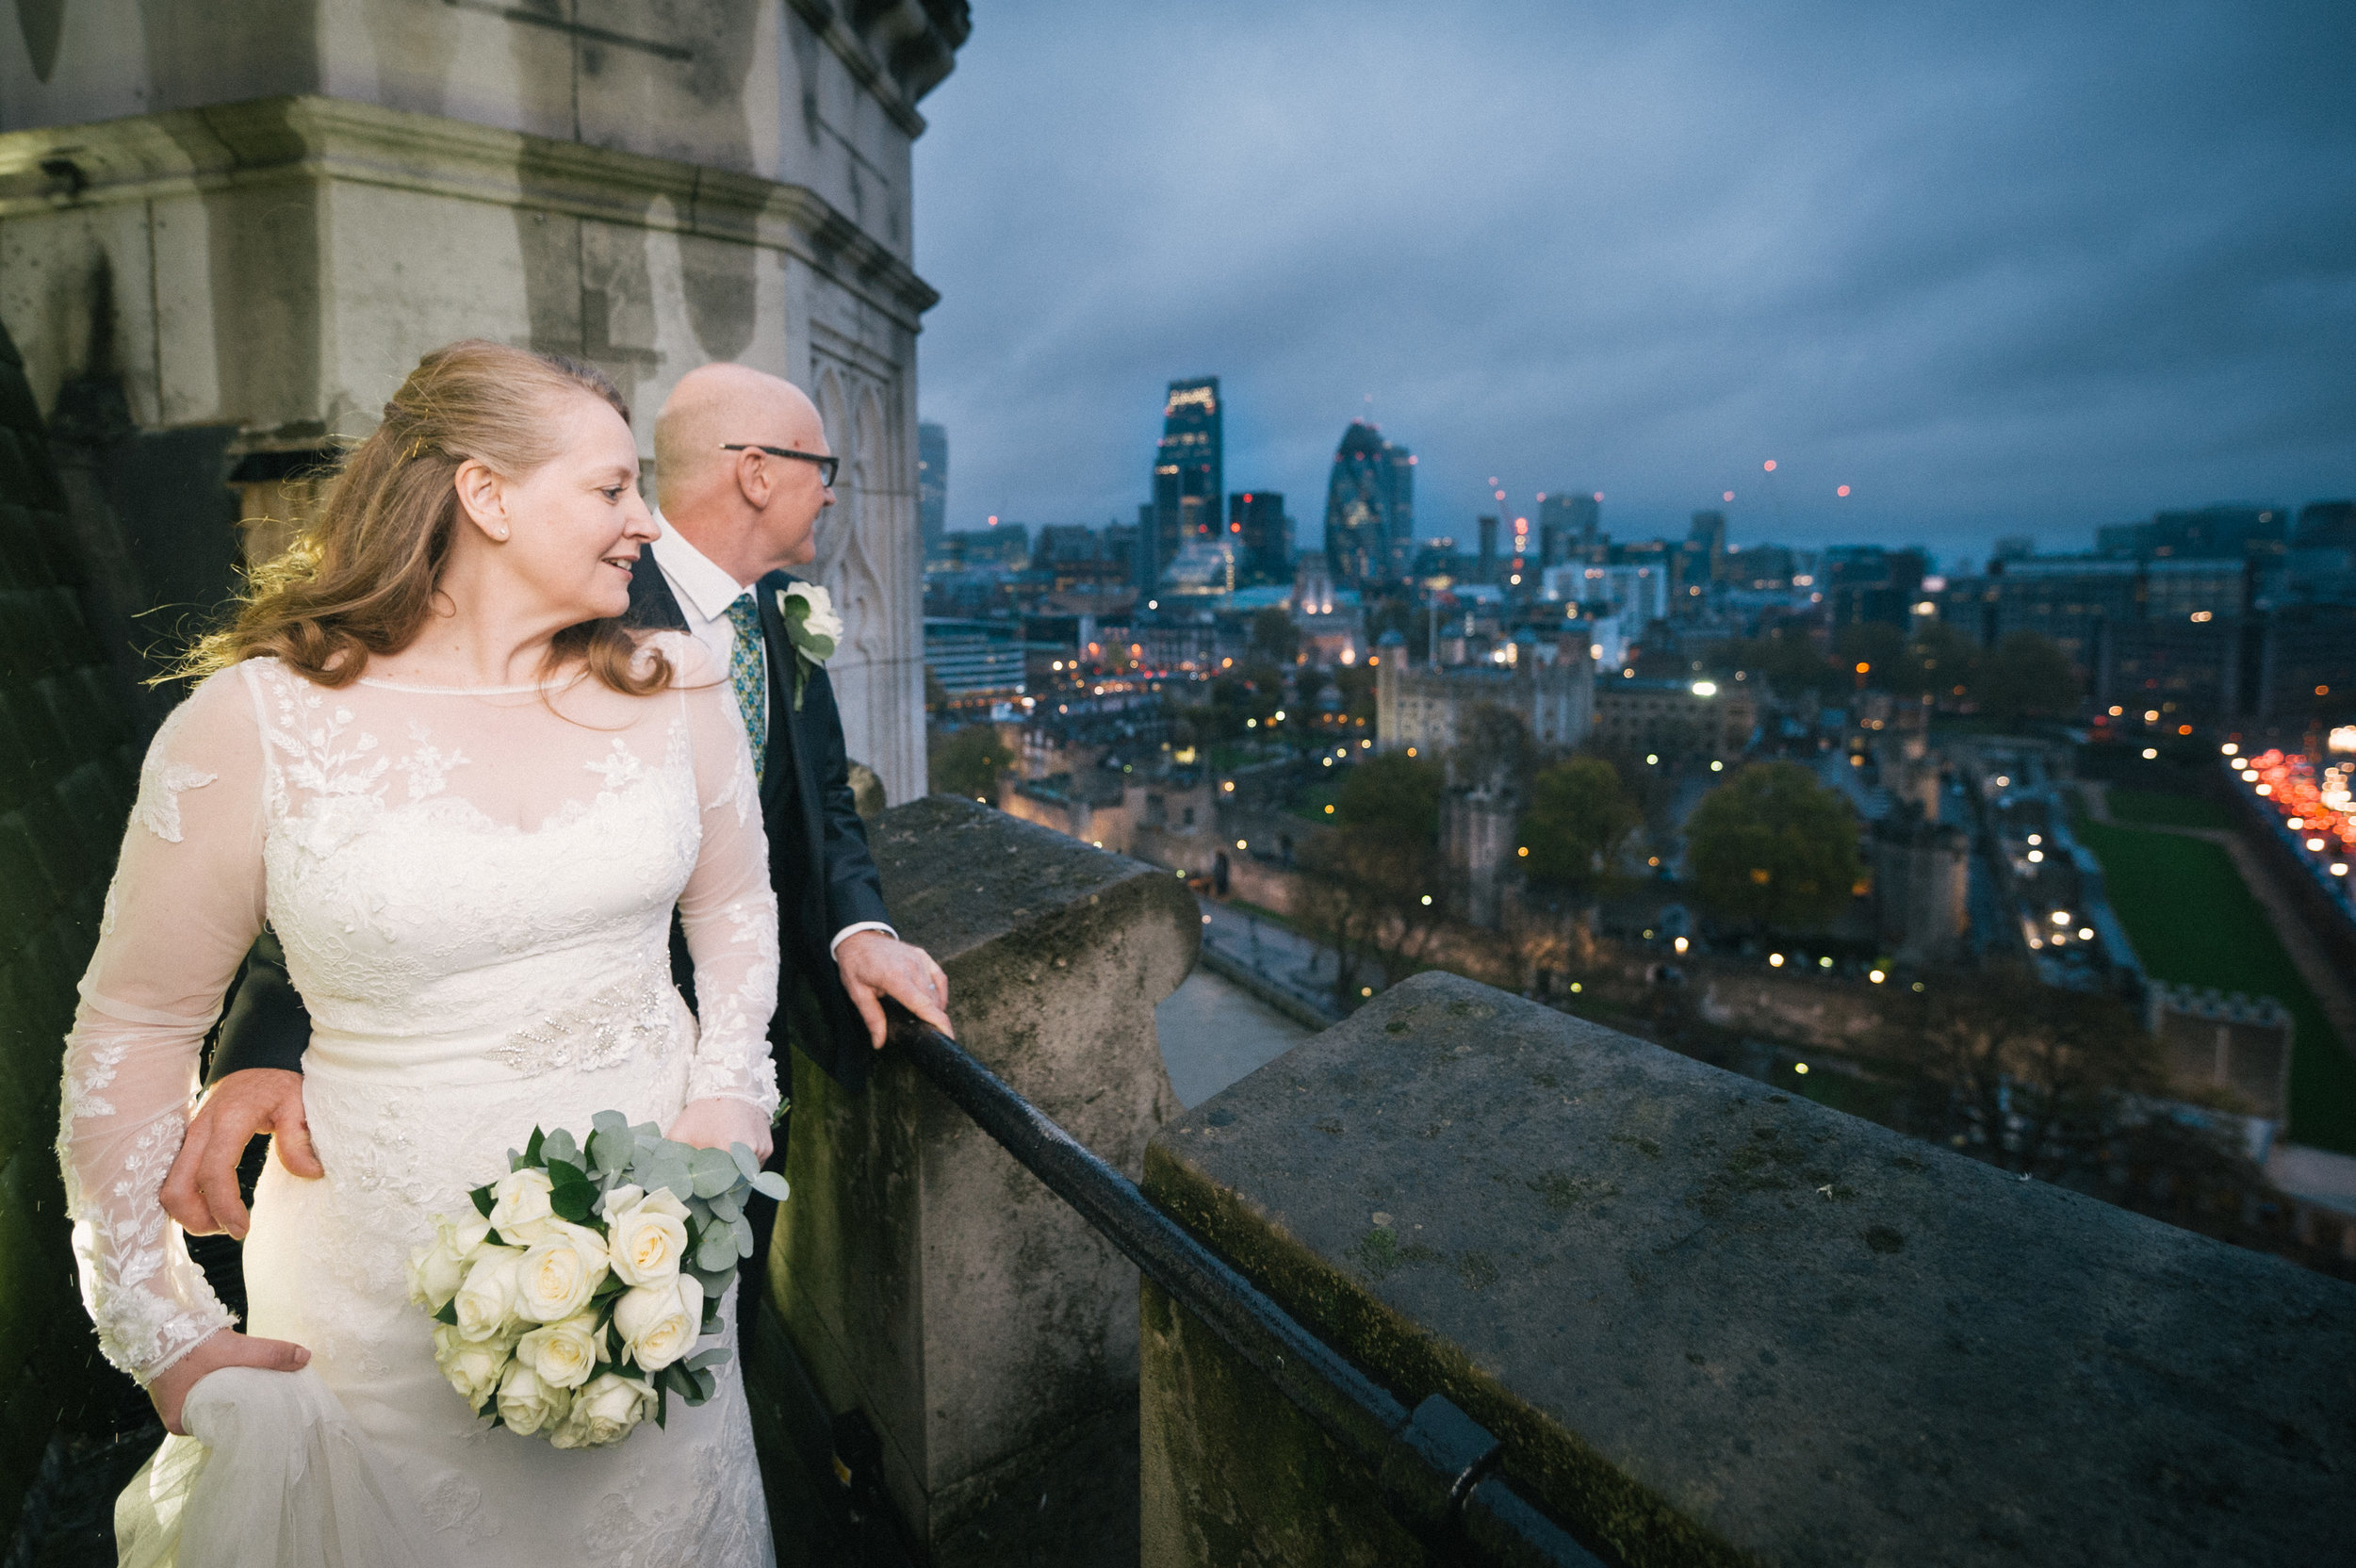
<point x="715" y="1172"/>
<point x="713" y="1357"/>
<point x="704" y="1384"/>
<point x="674" y="1178"/>
<point x="769" y="1185"/>
<point x="743" y="1230"/>
<point x="746" y="1164"/>
<point x="609" y="1148"/>
<point x="717" y="1249"/>
<point x="610" y="1121"/>
<point x="724" y="1205"/>
<point x="560" y="1146"/>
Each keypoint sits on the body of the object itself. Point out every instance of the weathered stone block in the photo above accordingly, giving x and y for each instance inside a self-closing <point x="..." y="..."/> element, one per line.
<point x="986" y="1331"/>
<point x="1713" y="1324"/>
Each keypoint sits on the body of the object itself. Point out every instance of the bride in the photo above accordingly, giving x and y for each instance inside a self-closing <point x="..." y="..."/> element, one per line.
<point x="430" y="757"/>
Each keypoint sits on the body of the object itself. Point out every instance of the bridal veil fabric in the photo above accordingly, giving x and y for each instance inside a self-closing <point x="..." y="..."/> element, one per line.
<point x="473" y="889"/>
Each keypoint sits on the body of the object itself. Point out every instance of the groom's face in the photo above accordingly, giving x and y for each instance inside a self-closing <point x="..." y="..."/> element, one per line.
<point x="789" y="523"/>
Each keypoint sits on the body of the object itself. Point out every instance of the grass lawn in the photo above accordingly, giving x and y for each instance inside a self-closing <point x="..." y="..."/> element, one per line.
<point x="2192" y="922"/>
<point x="2148" y="807"/>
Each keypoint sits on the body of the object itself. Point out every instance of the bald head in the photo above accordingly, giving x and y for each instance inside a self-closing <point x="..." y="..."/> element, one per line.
<point x="718" y="406"/>
<point x="749" y="511"/>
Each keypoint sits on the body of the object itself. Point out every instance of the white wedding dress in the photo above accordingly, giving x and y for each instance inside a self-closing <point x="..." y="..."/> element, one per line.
<point x="474" y="892"/>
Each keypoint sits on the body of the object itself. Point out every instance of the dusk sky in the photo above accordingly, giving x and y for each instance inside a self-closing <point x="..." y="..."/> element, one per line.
<point x="1999" y="267"/>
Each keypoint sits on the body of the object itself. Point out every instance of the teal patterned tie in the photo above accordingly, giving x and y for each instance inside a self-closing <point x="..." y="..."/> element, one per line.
<point x="745" y="679"/>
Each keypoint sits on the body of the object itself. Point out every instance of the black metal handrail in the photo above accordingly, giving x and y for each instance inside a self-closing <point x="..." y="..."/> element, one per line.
<point x="1436" y="1464"/>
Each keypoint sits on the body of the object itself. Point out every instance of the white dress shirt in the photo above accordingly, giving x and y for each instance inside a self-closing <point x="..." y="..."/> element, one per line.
<point x="704" y="593"/>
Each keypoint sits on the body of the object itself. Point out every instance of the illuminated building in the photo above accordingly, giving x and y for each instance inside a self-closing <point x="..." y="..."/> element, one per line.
<point x="1370" y="509"/>
<point x="1190" y="477"/>
<point x="1263" y="537"/>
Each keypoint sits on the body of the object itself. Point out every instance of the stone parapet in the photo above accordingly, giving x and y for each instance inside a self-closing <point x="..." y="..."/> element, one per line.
<point x="1713" y="1324"/>
<point x="985" y="1331"/>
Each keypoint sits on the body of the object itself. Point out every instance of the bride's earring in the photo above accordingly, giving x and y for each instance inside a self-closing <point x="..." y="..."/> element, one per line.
<point x="502" y="537"/>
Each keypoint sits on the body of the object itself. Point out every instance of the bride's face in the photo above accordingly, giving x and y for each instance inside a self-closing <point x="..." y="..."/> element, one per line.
<point x="576" y="524"/>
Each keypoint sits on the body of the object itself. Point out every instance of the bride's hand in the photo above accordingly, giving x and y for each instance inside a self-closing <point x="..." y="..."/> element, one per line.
<point x="716" y="1123"/>
<point x="225" y="1348"/>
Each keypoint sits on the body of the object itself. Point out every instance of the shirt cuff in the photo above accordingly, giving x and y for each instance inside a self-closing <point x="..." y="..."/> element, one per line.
<point x="855" y="929"/>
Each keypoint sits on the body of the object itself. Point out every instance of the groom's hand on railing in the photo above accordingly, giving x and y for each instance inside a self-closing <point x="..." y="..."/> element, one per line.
<point x="875" y="965"/>
<point x="202" y="1192"/>
<point x="225" y="1348"/>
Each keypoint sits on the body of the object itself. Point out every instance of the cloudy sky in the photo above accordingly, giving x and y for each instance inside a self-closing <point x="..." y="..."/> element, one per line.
<point x="1999" y="267"/>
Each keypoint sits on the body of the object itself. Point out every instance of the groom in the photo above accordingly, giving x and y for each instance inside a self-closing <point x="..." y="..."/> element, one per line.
<point x="743" y="470"/>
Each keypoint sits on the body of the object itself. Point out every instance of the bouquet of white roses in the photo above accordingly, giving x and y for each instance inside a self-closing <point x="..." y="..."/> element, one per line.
<point x="568" y="1303"/>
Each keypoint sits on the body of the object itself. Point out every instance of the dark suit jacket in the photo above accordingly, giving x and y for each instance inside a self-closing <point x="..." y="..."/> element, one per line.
<point x="818" y="862"/>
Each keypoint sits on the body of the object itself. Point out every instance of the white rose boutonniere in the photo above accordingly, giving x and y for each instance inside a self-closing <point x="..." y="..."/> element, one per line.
<point x="812" y="626"/>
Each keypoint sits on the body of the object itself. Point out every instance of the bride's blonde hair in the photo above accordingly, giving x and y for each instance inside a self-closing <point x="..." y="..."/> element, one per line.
<point x="359" y="578"/>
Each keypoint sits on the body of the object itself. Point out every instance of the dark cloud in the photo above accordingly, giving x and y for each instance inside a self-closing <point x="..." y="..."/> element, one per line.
<point x="1999" y="267"/>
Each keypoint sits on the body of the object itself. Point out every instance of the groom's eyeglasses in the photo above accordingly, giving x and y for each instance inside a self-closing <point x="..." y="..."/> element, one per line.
<point x="827" y="465"/>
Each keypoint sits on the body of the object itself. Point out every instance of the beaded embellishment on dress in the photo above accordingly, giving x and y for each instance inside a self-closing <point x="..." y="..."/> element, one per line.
<point x="605" y="1031"/>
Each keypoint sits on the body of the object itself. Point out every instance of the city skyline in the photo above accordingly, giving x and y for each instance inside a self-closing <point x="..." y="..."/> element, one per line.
<point x="2015" y="274"/>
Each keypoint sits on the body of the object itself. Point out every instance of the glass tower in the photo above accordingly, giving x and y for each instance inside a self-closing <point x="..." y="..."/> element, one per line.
<point x="932" y="482"/>
<point x="1189" y="478"/>
<point x="1370" y="509"/>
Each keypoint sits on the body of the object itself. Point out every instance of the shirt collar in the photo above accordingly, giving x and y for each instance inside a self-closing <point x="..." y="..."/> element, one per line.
<point x="707" y="587"/>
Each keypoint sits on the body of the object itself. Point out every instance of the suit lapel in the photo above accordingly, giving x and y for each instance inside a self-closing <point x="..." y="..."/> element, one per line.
<point x="651" y="601"/>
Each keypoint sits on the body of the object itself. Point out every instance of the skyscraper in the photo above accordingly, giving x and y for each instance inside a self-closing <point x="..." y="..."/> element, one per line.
<point x="1487" y="570"/>
<point x="932" y="482"/>
<point x="1709" y="534"/>
<point x="1568" y="525"/>
<point x="1370" y="509"/>
<point x="1263" y="537"/>
<point x="1190" y="477"/>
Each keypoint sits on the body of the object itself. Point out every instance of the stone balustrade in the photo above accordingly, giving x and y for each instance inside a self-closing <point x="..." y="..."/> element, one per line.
<point x="1714" y="1324"/>
<point x="924" y="1280"/>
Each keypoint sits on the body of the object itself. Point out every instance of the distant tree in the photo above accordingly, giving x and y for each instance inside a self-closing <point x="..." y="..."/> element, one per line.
<point x="1789" y="662"/>
<point x="2028" y="676"/>
<point x="1876" y="645"/>
<point x="967" y="762"/>
<point x="1356" y="684"/>
<point x="2017" y="1073"/>
<point x="1773" y="847"/>
<point x="1576" y="820"/>
<point x="1274" y="637"/>
<point x="1492" y="750"/>
<point x="1366" y="879"/>
<point x="1942" y="662"/>
<point x="937" y="697"/>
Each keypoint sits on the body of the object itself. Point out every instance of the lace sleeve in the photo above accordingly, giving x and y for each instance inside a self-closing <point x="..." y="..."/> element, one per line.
<point x="185" y="906"/>
<point x="729" y="907"/>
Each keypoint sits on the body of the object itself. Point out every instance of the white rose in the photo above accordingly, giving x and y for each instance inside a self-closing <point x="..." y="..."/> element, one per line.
<point x="563" y="1354"/>
<point x="559" y="1273"/>
<point x="436" y="1273"/>
<point x="519" y="1206"/>
<point x="487" y="1299"/>
<point x="657" y="1324"/>
<point x="528" y="1402"/>
<point x="472" y="1366"/>
<point x="648" y="1239"/>
<point x="821" y="621"/>
<point x="604" y="1412"/>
